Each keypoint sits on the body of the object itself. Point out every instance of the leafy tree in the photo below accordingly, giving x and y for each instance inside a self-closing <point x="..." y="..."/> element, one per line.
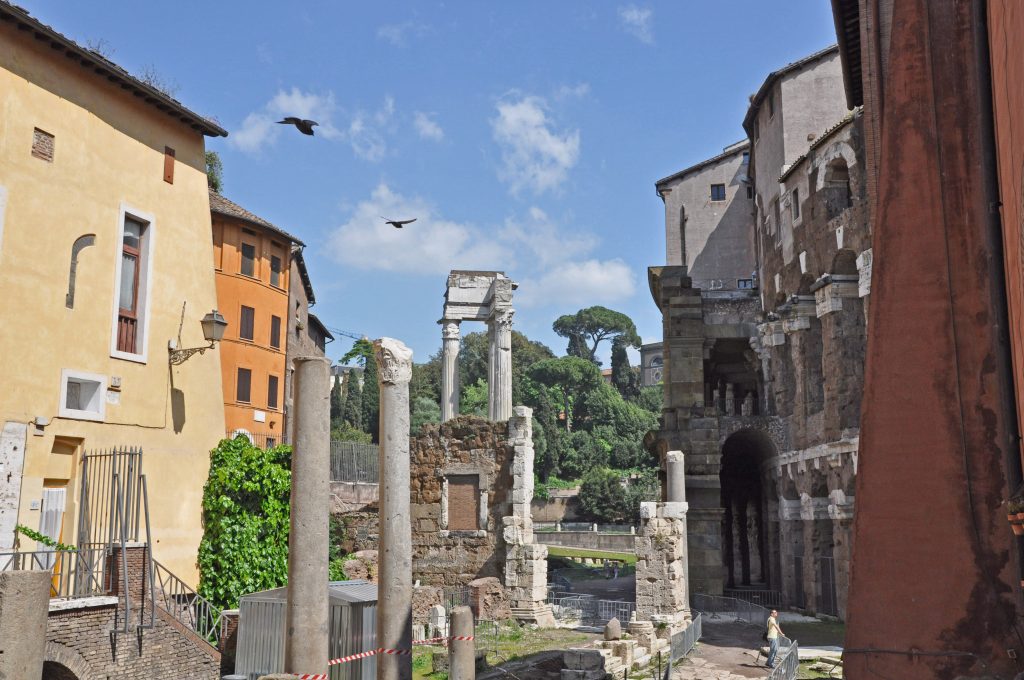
<point x="361" y="353"/>
<point x="603" y="405"/>
<point x="570" y="376"/>
<point x="473" y="400"/>
<point x="582" y="452"/>
<point x="347" y="433"/>
<point x="424" y="410"/>
<point x="245" y="521"/>
<point x="609" y="496"/>
<point x="371" y="400"/>
<point x="473" y="361"/>
<point x="588" y="328"/>
<point x="214" y="171"/>
<point x="352" y="411"/>
<point x="337" y="404"/>
<point x="426" y="379"/>
<point x="624" y="378"/>
<point x="651" y="398"/>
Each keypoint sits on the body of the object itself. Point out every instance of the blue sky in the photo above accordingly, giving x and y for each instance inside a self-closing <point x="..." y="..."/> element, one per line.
<point x="524" y="136"/>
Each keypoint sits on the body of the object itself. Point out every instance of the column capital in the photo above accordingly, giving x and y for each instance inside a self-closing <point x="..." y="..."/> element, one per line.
<point x="394" y="360"/>
<point x="450" y="329"/>
<point x="503" y="318"/>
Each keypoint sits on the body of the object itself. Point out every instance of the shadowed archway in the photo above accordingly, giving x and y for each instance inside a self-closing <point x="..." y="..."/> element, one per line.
<point x="744" y="548"/>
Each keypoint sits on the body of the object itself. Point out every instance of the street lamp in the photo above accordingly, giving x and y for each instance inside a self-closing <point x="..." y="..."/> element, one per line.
<point x="213" y="330"/>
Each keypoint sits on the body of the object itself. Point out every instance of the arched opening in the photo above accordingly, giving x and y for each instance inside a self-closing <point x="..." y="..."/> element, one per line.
<point x="744" y="545"/>
<point x="838" y="196"/>
<point x="845" y="262"/>
<point x="56" y="671"/>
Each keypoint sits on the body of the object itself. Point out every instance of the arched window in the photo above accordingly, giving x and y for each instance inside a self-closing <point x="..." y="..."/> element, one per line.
<point x="837" y="184"/>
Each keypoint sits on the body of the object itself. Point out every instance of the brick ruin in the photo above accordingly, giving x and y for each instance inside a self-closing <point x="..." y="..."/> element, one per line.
<point x="763" y="388"/>
<point x="472" y="484"/>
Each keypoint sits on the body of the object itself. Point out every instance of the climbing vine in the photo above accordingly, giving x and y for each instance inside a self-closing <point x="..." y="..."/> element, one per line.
<point x="245" y="521"/>
<point x="42" y="538"/>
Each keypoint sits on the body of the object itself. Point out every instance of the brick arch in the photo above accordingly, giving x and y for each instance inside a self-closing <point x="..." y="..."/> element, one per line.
<point x="64" y="663"/>
<point x="839" y="150"/>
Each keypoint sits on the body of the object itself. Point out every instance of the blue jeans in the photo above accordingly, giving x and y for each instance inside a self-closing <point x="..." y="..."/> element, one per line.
<point x="773" y="649"/>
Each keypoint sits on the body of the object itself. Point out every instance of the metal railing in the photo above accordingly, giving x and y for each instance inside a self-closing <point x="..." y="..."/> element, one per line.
<point x="787" y="661"/>
<point x="587" y="609"/>
<point x="76" y="573"/>
<point x="684" y="641"/>
<point x="765" y="598"/>
<point x="459" y="596"/>
<point x="186" y="605"/>
<point x="715" y="606"/>
<point x="261" y="440"/>
<point x="354" y="462"/>
<point x="554" y="527"/>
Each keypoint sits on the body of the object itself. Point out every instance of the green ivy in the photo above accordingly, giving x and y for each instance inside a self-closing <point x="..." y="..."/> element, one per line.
<point x="245" y="521"/>
<point x="42" y="538"/>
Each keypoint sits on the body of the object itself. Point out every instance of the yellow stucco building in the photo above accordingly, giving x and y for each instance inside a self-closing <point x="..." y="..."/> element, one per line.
<point x="105" y="252"/>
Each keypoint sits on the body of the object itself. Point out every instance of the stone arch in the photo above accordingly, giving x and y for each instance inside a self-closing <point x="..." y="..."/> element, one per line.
<point x="840" y="156"/>
<point x="844" y="262"/>
<point x="744" y="495"/>
<point x="64" y="663"/>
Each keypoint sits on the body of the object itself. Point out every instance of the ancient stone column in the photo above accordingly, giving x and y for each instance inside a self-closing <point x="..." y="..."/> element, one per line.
<point x="500" y="380"/>
<point x="675" y="485"/>
<point x="24" y="603"/>
<point x="462" y="664"/>
<point x="449" y="369"/>
<point x="394" y="601"/>
<point x="306" y="614"/>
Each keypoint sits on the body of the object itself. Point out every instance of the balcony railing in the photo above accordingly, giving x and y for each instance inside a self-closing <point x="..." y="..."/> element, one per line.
<point x="186" y="605"/>
<point x="76" y="573"/>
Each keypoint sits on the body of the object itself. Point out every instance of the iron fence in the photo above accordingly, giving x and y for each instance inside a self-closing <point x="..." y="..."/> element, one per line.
<point x="765" y="598"/>
<point x="186" y="605"/>
<point x="76" y="573"/>
<point x="460" y="596"/>
<point x="354" y="462"/>
<point x="684" y="641"/>
<point x="262" y="440"/>
<point x="587" y="609"/>
<point x="715" y="606"/>
<point x="787" y="661"/>
<point x="552" y="527"/>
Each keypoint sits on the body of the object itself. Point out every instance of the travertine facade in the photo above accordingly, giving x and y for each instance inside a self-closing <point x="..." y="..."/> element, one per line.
<point x="763" y="386"/>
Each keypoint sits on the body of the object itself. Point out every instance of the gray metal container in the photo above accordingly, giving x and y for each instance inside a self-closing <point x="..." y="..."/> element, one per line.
<point x="352" y="629"/>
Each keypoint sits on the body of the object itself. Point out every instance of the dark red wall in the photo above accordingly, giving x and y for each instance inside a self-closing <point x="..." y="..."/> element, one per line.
<point x="934" y="583"/>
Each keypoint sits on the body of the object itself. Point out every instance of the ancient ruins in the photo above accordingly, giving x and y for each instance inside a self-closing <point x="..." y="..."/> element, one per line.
<point x="478" y="296"/>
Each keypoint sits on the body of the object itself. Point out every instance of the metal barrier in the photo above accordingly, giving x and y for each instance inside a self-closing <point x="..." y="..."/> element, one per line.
<point x="765" y="598"/>
<point x="569" y="606"/>
<point x="787" y="661"/>
<point x="684" y="641"/>
<point x="587" y="609"/>
<point x="457" y="597"/>
<point x="261" y="440"/>
<point x="76" y="573"/>
<point x="716" y="606"/>
<point x="354" y="462"/>
<point x="186" y="605"/>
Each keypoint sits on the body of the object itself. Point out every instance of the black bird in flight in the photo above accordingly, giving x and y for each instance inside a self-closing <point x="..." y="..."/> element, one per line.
<point x="304" y="126"/>
<point x="398" y="224"/>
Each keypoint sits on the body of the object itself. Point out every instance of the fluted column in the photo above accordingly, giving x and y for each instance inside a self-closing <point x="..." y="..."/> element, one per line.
<point x="500" y="380"/>
<point x="394" y="601"/>
<point x="449" y="369"/>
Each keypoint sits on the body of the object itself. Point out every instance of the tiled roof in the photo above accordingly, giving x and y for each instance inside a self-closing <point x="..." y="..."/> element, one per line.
<point x="314" y="319"/>
<point x="307" y="284"/>
<point x="731" y="150"/>
<point x="108" y="70"/>
<point x="222" y="206"/>
<point x="769" y="81"/>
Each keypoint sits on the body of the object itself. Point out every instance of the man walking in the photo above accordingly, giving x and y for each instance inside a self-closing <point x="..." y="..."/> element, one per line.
<point x="773" y="634"/>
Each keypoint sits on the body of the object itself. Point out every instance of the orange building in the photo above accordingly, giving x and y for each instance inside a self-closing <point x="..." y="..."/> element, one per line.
<point x="252" y="259"/>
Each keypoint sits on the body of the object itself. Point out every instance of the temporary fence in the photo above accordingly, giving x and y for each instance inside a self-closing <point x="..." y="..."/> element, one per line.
<point x="787" y="661"/>
<point x="714" y="606"/>
<point x="587" y="609"/>
<point x="551" y="527"/>
<point x="684" y="641"/>
<point x="354" y="462"/>
<point x="765" y="598"/>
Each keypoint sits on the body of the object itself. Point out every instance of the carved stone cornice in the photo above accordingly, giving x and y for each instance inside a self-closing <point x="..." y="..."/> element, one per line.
<point x="449" y="329"/>
<point x="394" y="361"/>
<point x="503" y="318"/>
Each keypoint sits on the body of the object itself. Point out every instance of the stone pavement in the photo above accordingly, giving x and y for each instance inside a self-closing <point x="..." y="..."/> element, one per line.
<point x="727" y="651"/>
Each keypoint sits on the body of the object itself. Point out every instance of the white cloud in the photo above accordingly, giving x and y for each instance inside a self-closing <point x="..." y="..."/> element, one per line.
<point x="426" y="127"/>
<point x="572" y="91"/>
<point x="588" y="282"/>
<point x="637" y="22"/>
<point x="535" y="156"/>
<point x="543" y="240"/>
<point x="398" y="34"/>
<point x="430" y="245"/>
<point x="260" y="128"/>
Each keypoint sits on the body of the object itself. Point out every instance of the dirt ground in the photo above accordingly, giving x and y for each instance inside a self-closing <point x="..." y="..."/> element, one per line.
<point x="727" y="651"/>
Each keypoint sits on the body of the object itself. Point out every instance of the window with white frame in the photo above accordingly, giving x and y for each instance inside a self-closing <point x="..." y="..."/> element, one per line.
<point x="131" y="292"/>
<point x="82" y="395"/>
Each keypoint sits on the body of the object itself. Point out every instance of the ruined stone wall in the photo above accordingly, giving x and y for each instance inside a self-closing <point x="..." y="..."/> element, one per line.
<point x="466" y="447"/>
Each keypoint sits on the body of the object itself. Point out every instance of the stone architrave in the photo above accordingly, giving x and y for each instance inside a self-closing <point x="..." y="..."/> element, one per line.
<point x="478" y="296"/>
<point x="394" y="605"/>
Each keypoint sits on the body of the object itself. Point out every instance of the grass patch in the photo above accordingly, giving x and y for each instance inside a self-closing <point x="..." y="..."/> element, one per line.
<point x="805" y="672"/>
<point x="564" y="551"/>
<point x="822" y="633"/>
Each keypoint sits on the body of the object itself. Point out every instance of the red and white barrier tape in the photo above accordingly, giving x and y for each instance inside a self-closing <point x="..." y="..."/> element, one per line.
<point x="372" y="652"/>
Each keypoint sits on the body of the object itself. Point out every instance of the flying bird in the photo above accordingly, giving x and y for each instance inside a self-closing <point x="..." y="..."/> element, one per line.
<point x="398" y="224"/>
<point x="304" y="126"/>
